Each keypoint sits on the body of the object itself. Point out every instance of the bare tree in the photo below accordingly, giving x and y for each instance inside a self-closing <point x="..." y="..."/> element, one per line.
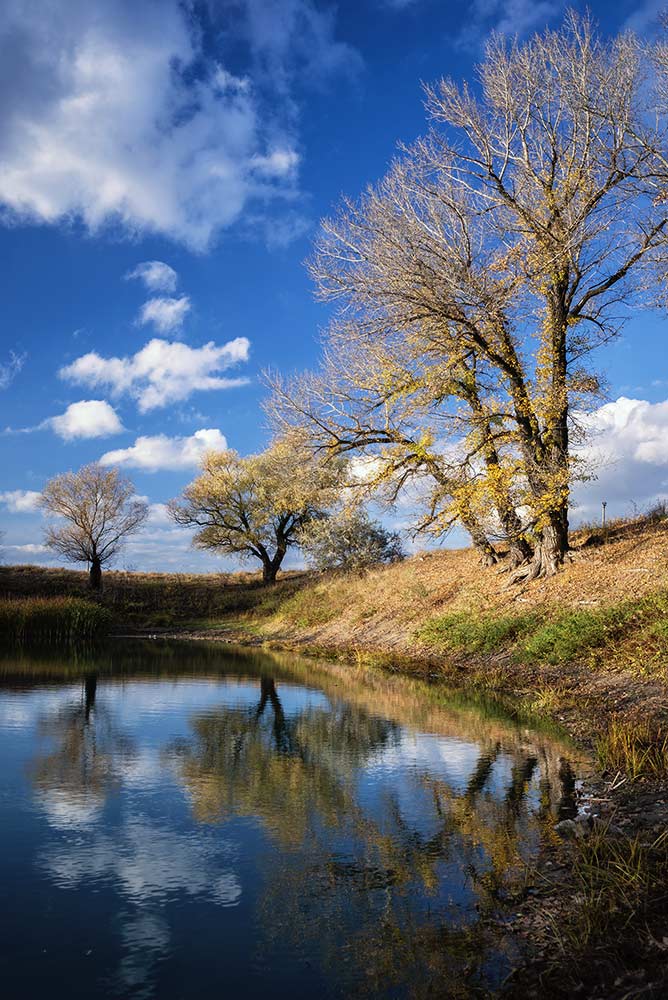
<point x="255" y="507"/>
<point x="96" y="509"/>
<point x="510" y="242"/>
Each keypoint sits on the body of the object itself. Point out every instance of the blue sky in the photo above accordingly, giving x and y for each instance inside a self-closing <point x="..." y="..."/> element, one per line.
<point x="206" y="139"/>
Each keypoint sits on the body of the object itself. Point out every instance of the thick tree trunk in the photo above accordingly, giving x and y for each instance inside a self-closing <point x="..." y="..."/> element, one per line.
<point x="549" y="553"/>
<point x="270" y="567"/>
<point x="95" y="575"/>
<point x="520" y="552"/>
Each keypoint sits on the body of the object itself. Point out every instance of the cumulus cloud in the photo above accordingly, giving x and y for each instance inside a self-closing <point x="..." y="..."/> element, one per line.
<point x="165" y="314"/>
<point x="89" y="418"/>
<point x="627" y="450"/>
<point x="10" y="369"/>
<point x="116" y="112"/>
<point x="161" y="372"/>
<point x="20" y="501"/>
<point x="156" y="275"/>
<point x="159" y="452"/>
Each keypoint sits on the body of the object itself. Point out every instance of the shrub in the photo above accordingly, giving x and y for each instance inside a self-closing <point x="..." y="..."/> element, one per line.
<point x="349" y="541"/>
<point x="62" y="620"/>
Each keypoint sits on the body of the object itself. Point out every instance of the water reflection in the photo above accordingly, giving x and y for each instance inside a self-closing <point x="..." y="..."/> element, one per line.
<point x="225" y="820"/>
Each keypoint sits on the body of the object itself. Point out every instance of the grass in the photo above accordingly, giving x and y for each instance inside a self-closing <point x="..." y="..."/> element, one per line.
<point x="615" y="913"/>
<point x="635" y="748"/>
<point x="464" y="632"/>
<point x="58" y="620"/>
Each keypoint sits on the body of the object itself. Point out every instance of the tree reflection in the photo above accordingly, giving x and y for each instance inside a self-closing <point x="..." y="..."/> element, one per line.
<point x="397" y="883"/>
<point x="73" y="779"/>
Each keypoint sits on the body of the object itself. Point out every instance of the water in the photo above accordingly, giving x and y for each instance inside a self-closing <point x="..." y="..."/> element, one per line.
<point x="187" y="820"/>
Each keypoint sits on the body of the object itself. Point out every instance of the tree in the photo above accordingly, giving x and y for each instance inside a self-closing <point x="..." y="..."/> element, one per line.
<point x="391" y="400"/>
<point x="504" y="245"/>
<point x="256" y="507"/>
<point x="349" y="540"/>
<point x="98" y="510"/>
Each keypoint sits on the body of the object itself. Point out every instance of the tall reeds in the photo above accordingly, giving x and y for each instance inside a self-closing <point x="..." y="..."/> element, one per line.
<point x="61" y="620"/>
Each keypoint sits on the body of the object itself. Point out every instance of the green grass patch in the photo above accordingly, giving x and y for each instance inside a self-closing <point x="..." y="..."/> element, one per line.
<point x="58" y="620"/>
<point x="463" y="631"/>
<point x="567" y="636"/>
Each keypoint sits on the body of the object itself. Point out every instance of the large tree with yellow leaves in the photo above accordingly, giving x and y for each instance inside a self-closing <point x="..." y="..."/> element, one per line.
<point x="482" y="272"/>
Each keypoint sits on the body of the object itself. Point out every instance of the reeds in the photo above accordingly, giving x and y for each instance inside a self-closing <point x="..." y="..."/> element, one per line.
<point x="58" y="620"/>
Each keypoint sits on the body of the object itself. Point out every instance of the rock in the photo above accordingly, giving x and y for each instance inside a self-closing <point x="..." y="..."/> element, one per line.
<point x="568" y="828"/>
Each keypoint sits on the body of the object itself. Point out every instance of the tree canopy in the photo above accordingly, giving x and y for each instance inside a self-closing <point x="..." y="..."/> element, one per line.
<point x="475" y="281"/>
<point x="256" y="506"/>
<point x="349" y="540"/>
<point x="97" y="509"/>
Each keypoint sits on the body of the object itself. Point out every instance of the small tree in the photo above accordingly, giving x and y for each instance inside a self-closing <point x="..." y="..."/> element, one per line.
<point x="349" y="540"/>
<point x="256" y="507"/>
<point x="98" y="510"/>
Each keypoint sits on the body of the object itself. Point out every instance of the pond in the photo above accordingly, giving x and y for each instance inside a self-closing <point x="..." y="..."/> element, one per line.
<point x="193" y="820"/>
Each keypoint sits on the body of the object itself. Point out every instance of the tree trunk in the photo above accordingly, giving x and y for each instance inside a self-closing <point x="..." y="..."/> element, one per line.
<point x="269" y="571"/>
<point x="520" y="552"/>
<point x="549" y="552"/>
<point x="484" y="547"/>
<point x="96" y="575"/>
<point x="90" y="688"/>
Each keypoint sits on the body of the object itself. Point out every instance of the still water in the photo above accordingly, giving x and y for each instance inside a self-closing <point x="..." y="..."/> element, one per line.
<point x="189" y="820"/>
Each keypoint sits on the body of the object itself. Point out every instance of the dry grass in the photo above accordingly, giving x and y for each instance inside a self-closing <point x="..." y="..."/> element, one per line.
<point x="637" y="748"/>
<point x="399" y="607"/>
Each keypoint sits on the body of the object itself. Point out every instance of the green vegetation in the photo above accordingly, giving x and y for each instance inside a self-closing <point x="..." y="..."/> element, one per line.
<point x="464" y="632"/>
<point x="61" y="620"/>
<point x="546" y="637"/>
<point x="573" y="633"/>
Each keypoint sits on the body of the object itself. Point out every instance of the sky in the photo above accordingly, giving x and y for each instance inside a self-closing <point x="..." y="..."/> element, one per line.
<point x="163" y="167"/>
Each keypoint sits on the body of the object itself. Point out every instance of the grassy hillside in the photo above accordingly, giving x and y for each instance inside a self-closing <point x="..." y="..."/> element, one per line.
<point x="609" y="606"/>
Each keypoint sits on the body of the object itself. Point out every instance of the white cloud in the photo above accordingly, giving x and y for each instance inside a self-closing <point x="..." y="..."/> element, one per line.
<point x="627" y="449"/>
<point x="20" y="501"/>
<point x="89" y="418"/>
<point x="646" y="16"/>
<point x="506" y="17"/>
<point x="31" y="549"/>
<point x="278" y="163"/>
<point x="161" y="372"/>
<point x="156" y="275"/>
<point x="10" y="369"/>
<point x="165" y="314"/>
<point x="114" y="113"/>
<point x="160" y="452"/>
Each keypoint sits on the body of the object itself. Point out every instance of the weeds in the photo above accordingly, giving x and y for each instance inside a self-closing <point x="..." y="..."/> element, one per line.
<point x="618" y="881"/>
